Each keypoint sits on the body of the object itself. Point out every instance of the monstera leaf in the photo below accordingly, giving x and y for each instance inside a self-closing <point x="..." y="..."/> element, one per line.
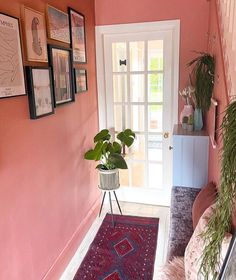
<point x="103" y="135"/>
<point x="118" y="161"/>
<point x="127" y="137"/>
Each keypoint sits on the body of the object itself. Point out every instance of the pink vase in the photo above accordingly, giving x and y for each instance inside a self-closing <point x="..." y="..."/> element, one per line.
<point x="186" y="112"/>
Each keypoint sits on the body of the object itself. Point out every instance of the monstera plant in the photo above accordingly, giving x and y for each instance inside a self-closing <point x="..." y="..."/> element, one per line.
<point x="220" y="222"/>
<point x="109" y="155"/>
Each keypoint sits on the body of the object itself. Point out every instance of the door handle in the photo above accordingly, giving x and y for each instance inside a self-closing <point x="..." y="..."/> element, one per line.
<point x="171" y="148"/>
<point x="166" y="135"/>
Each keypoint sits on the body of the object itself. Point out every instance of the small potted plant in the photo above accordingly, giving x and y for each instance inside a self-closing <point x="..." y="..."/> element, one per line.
<point x="184" y="122"/>
<point x="109" y="153"/>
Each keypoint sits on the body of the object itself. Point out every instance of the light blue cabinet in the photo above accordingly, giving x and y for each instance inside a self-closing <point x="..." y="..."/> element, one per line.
<point x="190" y="158"/>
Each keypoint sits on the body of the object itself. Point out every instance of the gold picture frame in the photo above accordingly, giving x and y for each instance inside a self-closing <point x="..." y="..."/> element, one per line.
<point x="58" y="25"/>
<point x="35" y="35"/>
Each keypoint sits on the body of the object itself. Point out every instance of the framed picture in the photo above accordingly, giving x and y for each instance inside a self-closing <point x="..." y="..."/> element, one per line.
<point x="60" y="59"/>
<point x="12" y="81"/>
<point x="213" y="127"/>
<point x="35" y="35"/>
<point x="58" y="25"/>
<point x="228" y="270"/>
<point x="77" y="32"/>
<point x="81" y="84"/>
<point x="40" y="91"/>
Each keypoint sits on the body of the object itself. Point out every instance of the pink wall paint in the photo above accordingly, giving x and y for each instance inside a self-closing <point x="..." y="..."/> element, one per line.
<point x="48" y="193"/>
<point x="193" y="15"/>
<point x="220" y="91"/>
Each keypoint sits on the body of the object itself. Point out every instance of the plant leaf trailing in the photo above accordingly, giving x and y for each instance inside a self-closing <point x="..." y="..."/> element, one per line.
<point x="202" y="77"/>
<point x="109" y="153"/>
<point x="220" y="222"/>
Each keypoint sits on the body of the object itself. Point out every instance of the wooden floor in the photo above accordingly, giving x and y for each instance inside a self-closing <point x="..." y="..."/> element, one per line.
<point x="134" y="209"/>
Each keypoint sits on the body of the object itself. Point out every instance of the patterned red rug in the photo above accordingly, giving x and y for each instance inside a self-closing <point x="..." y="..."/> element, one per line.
<point x="126" y="252"/>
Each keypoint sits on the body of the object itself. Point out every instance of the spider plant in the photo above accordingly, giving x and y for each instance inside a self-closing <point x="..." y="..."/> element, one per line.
<point x="220" y="222"/>
<point x="202" y="76"/>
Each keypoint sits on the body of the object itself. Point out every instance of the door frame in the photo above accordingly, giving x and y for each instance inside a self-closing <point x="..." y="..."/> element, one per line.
<point x="101" y="31"/>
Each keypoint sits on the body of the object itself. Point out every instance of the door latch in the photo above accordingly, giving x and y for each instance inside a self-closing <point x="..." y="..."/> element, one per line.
<point x="122" y="62"/>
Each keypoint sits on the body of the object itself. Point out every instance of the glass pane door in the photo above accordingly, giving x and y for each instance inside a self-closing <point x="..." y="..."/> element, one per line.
<point x="138" y="77"/>
<point x="138" y="104"/>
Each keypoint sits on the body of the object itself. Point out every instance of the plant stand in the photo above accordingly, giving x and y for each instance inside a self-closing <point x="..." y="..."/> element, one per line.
<point x="104" y="195"/>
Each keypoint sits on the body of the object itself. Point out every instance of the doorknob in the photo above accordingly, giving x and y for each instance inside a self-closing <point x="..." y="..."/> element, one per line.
<point x="170" y="148"/>
<point x="166" y="135"/>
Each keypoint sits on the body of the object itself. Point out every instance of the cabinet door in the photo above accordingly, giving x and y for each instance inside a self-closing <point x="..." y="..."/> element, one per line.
<point x="190" y="161"/>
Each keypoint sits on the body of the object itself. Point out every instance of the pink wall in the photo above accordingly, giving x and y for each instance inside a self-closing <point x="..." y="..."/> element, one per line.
<point x="193" y="15"/>
<point x="48" y="193"/>
<point x="195" y="24"/>
<point x="220" y="92"/>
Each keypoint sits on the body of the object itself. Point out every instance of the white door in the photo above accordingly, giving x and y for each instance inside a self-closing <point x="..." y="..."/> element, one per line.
<point x="139" y="95"/>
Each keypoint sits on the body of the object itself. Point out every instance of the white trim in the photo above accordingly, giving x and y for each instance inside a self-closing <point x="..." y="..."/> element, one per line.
<point x="101" y="31"/>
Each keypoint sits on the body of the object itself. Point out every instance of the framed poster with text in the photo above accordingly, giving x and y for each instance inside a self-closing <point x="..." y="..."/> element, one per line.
<point x="12" y="82"/>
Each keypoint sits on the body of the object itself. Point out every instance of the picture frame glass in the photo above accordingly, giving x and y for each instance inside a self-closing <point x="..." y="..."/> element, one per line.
<point x="58" y="25"/>
<point x="62" y="75"/>
<point x="77" y="25"/>
<point x="42" y="92"/>
<point x="35" y="33"/>
<point x="12" y="82"/>
<point x="81" y="80"/>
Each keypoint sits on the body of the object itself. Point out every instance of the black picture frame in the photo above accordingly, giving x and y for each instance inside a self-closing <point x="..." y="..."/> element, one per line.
<point x="40" y="91"/>
<point x="60" y="60"/>
<point x="77" y="36"/>
<point x="12" y="75"/>
<point x="81" y="82"/>
<point x="228" y="270"/>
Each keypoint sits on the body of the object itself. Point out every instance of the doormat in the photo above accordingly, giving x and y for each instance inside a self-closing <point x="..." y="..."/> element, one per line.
<point x="125" y="252"/>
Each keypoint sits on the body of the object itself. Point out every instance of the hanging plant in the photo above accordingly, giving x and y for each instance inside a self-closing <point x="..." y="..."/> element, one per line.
<point x="220" y="222"/>
<point x="202" y="77"/>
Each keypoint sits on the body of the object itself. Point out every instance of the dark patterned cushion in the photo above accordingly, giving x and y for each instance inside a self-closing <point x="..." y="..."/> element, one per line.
<point x="181" y="228"/>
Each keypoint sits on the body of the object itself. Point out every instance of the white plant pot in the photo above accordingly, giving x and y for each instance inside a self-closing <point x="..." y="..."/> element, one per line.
<point x="109" y="179"/>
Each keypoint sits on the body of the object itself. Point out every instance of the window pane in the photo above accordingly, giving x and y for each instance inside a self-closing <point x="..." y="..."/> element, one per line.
<point x="120" y="88"/>
<point x="124" y="177"/>
<point x="118" y="117"/>
<point x="155" y="55"/>
<point x="155" y="147"/>
<point x="155" y="87"/>
<point x="137" y="174"/>
<point x="155" y="175"/>
<point x="136" y="56"/>
<point x="118" y="57"/>
<point x="137" y="88"/>
<point x="137" y="117"/>
<point x="155" y="118"/>
<point x="137" y="150"/>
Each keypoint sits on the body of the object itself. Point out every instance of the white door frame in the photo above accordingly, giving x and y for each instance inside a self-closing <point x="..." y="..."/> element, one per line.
<point x="101" y="31"/>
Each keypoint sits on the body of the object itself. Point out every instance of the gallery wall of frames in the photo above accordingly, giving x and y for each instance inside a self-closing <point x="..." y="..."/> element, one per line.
<point x="54" y="72"/>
